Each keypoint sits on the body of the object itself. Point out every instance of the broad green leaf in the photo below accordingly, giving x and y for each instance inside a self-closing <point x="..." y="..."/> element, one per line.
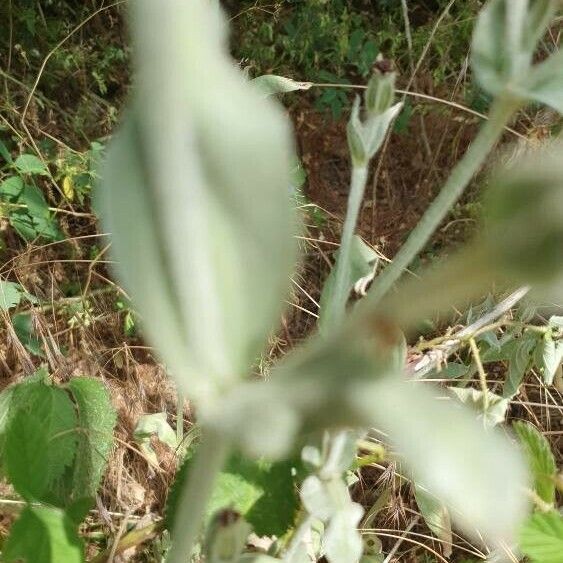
<point x="437" y="518"/>
<point x="361" y="263"/>
<point x="540" y="459"/>
<point x="541" y="538"/>
<point x="195" y="193"/>
<point x="475" y="399"/>
<point x="10" y="295"/>
<point x="150" y="425"/>
<point x="40" y="439"/>
<point x="270" y="84"/>
<point x="262" y="492"/>
<point x="43" y="535"/>
<point x="30" y="164"/>
<point x="520" y="361"/>
<point x="11" y="187"/>
<point x="342" y="541"/>
<point x="96" y="419"/>
<point x="434" y="436"/>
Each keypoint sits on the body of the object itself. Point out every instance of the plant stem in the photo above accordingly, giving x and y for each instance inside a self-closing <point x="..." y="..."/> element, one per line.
<point x="336" y="308"/>
<point x="209" y="460"/>
<point x="461" y="175"/>
<point x="482" y="374"/>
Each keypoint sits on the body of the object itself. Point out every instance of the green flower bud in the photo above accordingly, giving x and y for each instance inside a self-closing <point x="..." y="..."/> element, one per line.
<point x="380" y="92"/>
<point x="356" y="141"/>
<point x="524" y="230"/>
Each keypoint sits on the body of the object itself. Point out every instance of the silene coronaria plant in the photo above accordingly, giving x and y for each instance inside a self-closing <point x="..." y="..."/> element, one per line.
<point x="197" y="193"/>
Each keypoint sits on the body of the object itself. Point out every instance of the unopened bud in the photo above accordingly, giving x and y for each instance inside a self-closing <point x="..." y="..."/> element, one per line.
<point x="380" y="92"/>
<point x="356" y="141"/>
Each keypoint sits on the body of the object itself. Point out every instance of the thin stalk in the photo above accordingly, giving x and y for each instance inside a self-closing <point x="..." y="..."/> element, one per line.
<point x="337" y="307"/>
<point x="209" y="460"/>
<point x="501" y="112"/>
<point x="482" y="373"/>
<point x="179" y="415"/>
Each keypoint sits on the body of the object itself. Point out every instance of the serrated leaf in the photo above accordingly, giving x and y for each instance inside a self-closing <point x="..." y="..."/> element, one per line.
<point x="11" y="187"/>
<point x="475" y="399"/>
<point x="541" y="538"/>
<point x="95" y="423"/>
<point x="10" y="295"/>
<point x="436" y="516"/>
<point x="262" y="492"/>
<point x="540" y="459"/>
<point x="271" y="84"/>
<point x="30" y="164"/>
<point x="195" y="192"/>
<point x="43" y="535"/>
<point x="40" y="439"/>
<point x="520" y="361"/>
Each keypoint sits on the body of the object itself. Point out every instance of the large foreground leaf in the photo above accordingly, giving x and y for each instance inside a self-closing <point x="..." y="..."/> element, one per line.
<point x="195" y="193"/>
<point x="43" y="535"/>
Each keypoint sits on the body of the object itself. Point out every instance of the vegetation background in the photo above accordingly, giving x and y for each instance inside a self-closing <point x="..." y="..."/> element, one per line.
<point x="64" y="76"/>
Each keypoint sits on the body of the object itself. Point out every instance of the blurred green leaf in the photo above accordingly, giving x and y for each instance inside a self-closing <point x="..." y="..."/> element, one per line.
<point x="540" y="459"/>
<point x="96" y="420"/>
<point x="195" y="189"/>
<point x="342" y="541"/>
<point x="437" y="518"/>
<point x="541" y="538"/>
<point x="43" y="535"/>
<point x="30" y="164"/>
<point x="262" y="492"/>
<point x="40" y="438"/>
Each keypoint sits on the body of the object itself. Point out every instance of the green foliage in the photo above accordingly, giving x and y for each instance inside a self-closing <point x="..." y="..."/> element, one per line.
<point x="26" y="207"/>
<point x="40" y="439"/>
<point x="96" y="420"/>
<point x="541" y="538"/>
<point x="54" y="445"/>
<point x="262" y="492"/>
<point x="11" y="295"/>
<point x="43" y="535"/>
<point x="436" y="516"/>
<point x="540" y="459"/>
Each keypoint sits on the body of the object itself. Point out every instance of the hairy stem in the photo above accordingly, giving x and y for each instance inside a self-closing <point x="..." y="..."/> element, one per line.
<point x="337" y="307"/>
<point x="209" y="460"/>
<point x="461" y="175"/>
